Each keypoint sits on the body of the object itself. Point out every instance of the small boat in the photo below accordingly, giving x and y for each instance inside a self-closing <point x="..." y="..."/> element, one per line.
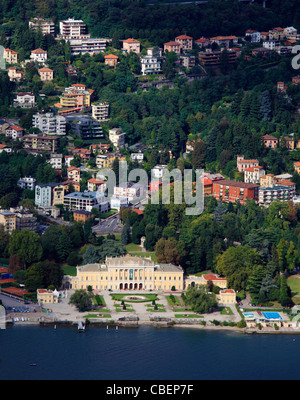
<point x="33" y="364"/>
<point x="81" y="327"/>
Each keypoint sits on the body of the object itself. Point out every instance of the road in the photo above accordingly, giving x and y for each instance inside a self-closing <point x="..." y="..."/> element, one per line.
<point x="110" y="225"/>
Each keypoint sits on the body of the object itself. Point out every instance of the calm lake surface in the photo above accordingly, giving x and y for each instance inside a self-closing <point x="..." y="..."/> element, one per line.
<point x="145" y="353"/>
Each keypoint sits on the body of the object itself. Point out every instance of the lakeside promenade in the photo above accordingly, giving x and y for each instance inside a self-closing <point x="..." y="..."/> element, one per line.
<point x="137" y="315"/>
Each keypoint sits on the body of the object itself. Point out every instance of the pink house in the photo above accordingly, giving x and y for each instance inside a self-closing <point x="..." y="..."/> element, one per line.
<point x="270" y="142"/>
<point x="242" y="164"/>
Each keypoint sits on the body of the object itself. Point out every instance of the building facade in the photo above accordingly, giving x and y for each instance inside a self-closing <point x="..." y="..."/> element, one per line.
<point x="49" y="123"/>
<point x="243" y="164"/>
<point x="234" y="191"/>
<point x="40" y="143"/>
<point x="131" y="45"/>
<point x="129" y="273"/>
<point x="100" y="111"/>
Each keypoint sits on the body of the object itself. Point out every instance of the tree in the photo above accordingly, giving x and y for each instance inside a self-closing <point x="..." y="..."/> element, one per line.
<point x="91" y="256"/>
<point x="198" y="155"/>
<point x="81" y="299"/>
<point x="125" y="235"/>
<point x="27" y="245"/>
<point x="200" y="301"/>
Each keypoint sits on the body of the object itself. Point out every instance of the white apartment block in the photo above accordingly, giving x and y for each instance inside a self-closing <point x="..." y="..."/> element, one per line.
<point x="254" y="35"/>
<point x="100" y="111"/>
<point x="129" y="190"/>
<point x="27" y="183"/>
<point x="139" y="157"/>
<point x="117" y="137"/>
<point x="56" y="161"/>
<point x="89" y="46"/>
<point x="47" y="27"/>
<point x="151" y="63"/>
<point x="50" y="123"/>
<point x="72" y="29"/>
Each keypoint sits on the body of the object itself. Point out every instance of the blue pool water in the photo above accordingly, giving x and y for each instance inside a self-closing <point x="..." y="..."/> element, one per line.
<point x="271" y="315"/>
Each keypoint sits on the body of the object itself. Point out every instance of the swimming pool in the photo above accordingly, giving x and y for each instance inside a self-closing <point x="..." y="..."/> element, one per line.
<point x="271" y="315"/>
<point x="248" y="315"/>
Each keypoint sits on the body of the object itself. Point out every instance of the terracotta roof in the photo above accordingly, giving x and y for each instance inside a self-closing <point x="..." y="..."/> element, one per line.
<point x="183" y="37"/>
<point x="130" y="40"/>
<point x="224" y="37"/>
<point x="240" y="184"/>
<point x="172" y="43"/>
<point x="285" y="182"/>
<point x="16" y="128"/>
<point x="252" y="169"/>
<point x="96" y="181"/>
<point x="11" y="51"/>
<point x="212" y="277"/>
<point x="110" y="56"/>
<point x="270" y="137"/>
<point x="45" y="69"/>
<point x="38" y="51"/>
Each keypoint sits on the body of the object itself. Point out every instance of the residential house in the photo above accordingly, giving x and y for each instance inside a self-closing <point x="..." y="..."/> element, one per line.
<point x="260" y="51"/>
<point x="234" y="191"/>
<point x="106" y="160"/>
<point x="226" y="41"/>
<point x="272" y="45"/>
<point x="85" y="126"/>
<point x="75" y="98"/>
<point x="281" y="191"/>
<point x="10" y="56"/>
<point x="24" y="100"/>
<point x="117" y="202"/>
<point x="131" y="45"/>
<point x="49" y="194"/>
<point x="14" y="132"/>
<point x="15" y="75"/>
<point x="137" y="157"/>
<point x="74" y="174"/>
<point x="202" y="42"/>
<point x="264" y="35"/>
<point x="46" y="74"/>
<point x="99" y="147"/>
<point x="253" y="174"/>
<point x="253" y="35"/>
<point x="47" y="296"/>
<point x="226" y="296"/>
<point x="68" y="160"/>
<point x="297" y="166"/>
<point x="270" y="141"/>
<point x="204" y="280"/>
<point x="3" y="125"/>
<point x="82" y="215"/>
<point x="242" y="164"/>
<point x="158" y="171"/>
<point x="94" y="185"/>
<point x="289" y="142"/>
<point x="84" y="154"/>
<point x="186" y="42"/>
<point x="25" y="219"/>
<point x="4" y="147"/>
<point x="130" y="190"/>
<point x="277" y="33"/>
<point x="210" y="58"/>
<point x="39" y="55"/>
<point x="111" y="60"/>
<point x="281" y="87"/>
<point x="187" y="60"/>
<point x="172" y="46"/>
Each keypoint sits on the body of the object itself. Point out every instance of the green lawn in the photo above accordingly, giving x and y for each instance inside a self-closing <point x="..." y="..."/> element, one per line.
<point x="119" y="297"/>
<point x="294" y="284"/>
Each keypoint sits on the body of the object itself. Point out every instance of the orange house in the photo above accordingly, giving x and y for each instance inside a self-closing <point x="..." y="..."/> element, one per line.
<point x="111" y="60"/>
<point x="270" y="142"/>
<point x="172" y="46"/>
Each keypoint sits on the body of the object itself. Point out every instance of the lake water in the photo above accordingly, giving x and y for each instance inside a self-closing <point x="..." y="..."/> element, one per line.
<point x="145" y="353"/>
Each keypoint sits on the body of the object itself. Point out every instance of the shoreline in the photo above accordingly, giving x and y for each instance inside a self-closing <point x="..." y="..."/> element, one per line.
<point x="131" y="325"/>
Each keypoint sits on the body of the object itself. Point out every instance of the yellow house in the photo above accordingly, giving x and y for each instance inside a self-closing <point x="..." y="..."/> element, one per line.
<point x="47" y="296"/>
<point x="46" y="74"/>
<point x="297" y="166"/>
<point x="193" y="280"/>
<point x="10" y="56"/>
<point x="128" y="273"/>
<point x="226" y="296"/>
<point x="267" y="180"/>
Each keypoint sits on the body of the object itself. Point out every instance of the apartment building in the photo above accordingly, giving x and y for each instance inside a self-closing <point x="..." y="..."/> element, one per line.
<point x="242" y="164"/>
<point x="186" y="42"/>
<point x="76" y="97"/>
<point x="46" y="74"/>
<point x="39" y="55"/>
<point x="40" y="143"/>
<point x="187" y="60"/>
<point x="131" y="45"/>
<point x="89" y="46"/>
<point x="100" y="111"/>
<point x="226" y="41"/>
<point x="234" y="191"/>
<point x="84" y="154"/>
<point x="14" y="132"/>
<point x="56" y="161"/>
<point x="47" y="27"/>
<point x="106" y="160"/>
<point x="24" y="100"/>
<point x="85" y="126"/>
<point x="117" y="137"/>
<point x="72" y="29"/>
<point x="10" y="56"/>
<point x="8" y="220"/>
<point x="49" y="123"/>
<point x="129" y="190"/>
<point x="111" y="60"/>
<point x="27" y="183"/>
<point x="210" y="58"/>
<point x="281" y="191"/>
<point x="49" y="194"/>
<point x="276" y="33"/>
<point x="151" y="63"/>
<point x="253" y="174"/>
<point x="25" y="219"/>
<point x="86" y="201"/>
